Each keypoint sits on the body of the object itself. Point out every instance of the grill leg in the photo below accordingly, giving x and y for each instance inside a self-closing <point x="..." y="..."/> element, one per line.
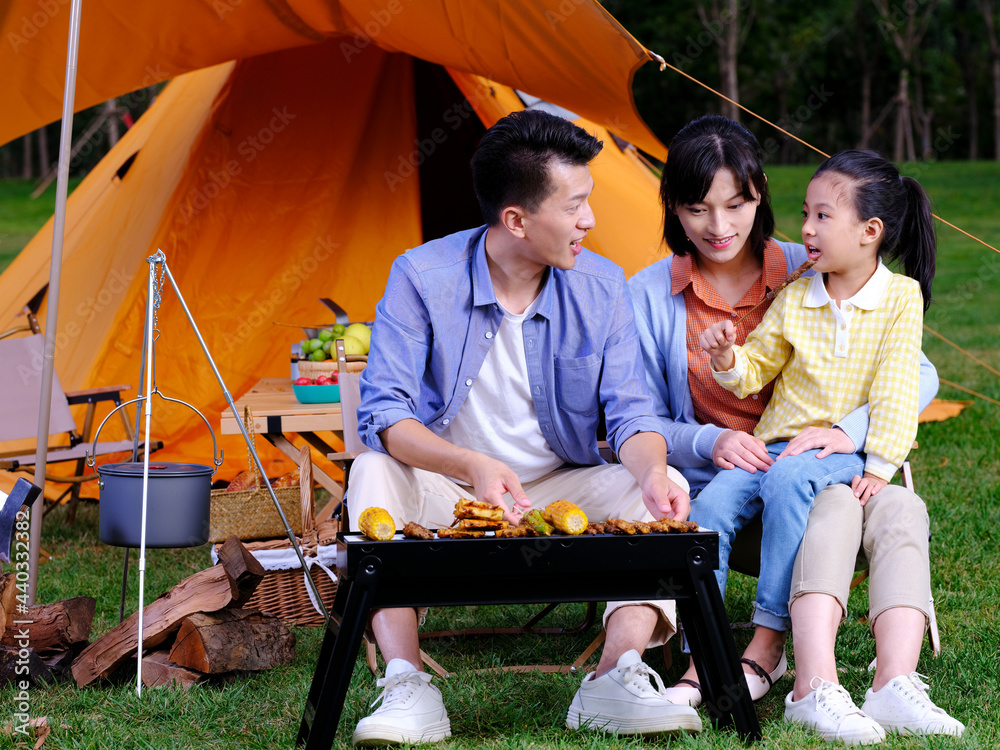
<point x="714" y="650"/>
<point x="337" y="657"/>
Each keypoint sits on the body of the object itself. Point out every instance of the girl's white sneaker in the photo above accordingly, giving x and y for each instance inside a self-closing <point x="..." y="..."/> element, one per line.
<point x="829" y="710"/>
<point x="904" y="705"/>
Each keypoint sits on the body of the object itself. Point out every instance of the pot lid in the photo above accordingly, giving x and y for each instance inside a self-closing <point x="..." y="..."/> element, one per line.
<point x="156" y="469"/>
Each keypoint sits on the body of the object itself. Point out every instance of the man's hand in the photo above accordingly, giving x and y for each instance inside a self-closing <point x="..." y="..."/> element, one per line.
<point x="410" y="442"/>
<point x="741" y="449"/>
<point x="866" y="486"/>
<point x="645" y="456"/>
<point x="829" y="439"/>
<point x="492" y="479"/>
<point x="718" y="340"/>
<point x="663" y="497"/>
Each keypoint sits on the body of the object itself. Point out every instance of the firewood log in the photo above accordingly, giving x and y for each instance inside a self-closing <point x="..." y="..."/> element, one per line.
<point x="52" y="628"/>
<point x="158" y="671"/>
<point x="8" y="599"/>
<point x="243" y="567"/>
<point x="232" y="639"/>
<point x="23" y="665"/>
<point x="205" y="591"/>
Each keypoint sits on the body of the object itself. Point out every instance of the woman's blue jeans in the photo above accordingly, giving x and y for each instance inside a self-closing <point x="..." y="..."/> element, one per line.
<point x="783" y="495"/>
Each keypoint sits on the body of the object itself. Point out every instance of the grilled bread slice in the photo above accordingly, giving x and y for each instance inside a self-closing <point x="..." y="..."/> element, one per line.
<point x="447" y="533"/>
<point x="465" y="508"/>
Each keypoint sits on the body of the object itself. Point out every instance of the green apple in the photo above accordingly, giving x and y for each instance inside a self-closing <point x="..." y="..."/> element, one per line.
<point x="353" y="346"/>
<point x="362" y="333"/>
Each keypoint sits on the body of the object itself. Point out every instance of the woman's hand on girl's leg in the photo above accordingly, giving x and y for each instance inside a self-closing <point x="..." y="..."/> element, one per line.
<point x="737" y="449"/>
<point x="827" y="439"/>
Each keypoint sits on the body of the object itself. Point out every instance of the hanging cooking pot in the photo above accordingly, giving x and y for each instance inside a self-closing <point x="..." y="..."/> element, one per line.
<point x="178" y="498"/>
<point x="177" y="506"/>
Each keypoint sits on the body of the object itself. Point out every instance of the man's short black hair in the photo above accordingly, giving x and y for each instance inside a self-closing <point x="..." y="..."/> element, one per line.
<point x="511" y="165"/>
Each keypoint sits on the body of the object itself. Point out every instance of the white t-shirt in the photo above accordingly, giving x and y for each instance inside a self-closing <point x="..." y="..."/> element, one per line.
<point x="498" y="418"/>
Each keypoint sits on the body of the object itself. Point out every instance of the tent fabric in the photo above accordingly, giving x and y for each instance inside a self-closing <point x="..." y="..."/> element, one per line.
<point x="567" y="51"/>
<point x="269" y="183"/>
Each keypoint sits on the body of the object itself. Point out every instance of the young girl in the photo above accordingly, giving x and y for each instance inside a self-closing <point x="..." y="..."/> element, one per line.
<point x="847" y="334"/>
<point x="717" y="221"/>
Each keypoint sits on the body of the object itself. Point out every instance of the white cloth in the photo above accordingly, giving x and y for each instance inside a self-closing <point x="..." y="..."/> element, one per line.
<point x="498" y="417"/>
<point x="286" y="559"/>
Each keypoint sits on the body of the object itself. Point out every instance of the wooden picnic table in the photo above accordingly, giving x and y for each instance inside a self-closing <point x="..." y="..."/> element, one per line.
<point x="277" y="414"/>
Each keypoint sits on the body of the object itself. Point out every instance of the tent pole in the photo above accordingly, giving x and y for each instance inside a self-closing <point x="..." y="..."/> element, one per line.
<point x="52" y="318"/>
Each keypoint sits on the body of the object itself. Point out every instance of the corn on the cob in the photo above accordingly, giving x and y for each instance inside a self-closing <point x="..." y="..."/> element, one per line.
<point x="376" y="523"/>
<point x="566" y="516"/>
<point x="535" y="521"/>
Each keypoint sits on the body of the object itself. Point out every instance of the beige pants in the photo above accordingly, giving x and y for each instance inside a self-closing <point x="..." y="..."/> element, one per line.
<point x="409" y="494"/>
<point x="889" y="535"/>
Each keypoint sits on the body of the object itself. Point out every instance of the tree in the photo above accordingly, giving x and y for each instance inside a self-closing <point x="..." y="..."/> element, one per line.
<point x="905" y="27"/>
<point x="721" y="19"/>
<point x="968" y="53"/>
<point x="988" y="11"/>
<point x="869" y="55"/>
<point x="27" y="167"/>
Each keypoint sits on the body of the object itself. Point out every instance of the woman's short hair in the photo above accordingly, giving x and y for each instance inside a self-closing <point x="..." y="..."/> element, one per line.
<point x="698" y="151"/>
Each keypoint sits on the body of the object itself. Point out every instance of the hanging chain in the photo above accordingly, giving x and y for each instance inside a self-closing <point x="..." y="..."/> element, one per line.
<point x="158" y="278"/>
<point x="159" y="263"/>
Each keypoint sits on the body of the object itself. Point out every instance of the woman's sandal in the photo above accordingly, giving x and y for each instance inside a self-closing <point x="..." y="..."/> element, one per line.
<point x="761" y="683"/>
<point x="684" y="692"/>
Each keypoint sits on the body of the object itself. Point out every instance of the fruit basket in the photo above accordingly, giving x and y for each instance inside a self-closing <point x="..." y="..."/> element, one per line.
<point x="313" y="370"/>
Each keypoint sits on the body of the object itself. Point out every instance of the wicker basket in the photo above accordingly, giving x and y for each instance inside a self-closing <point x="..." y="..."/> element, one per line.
<point x="250" y="514"/>
<point x="284" y="592"/>
<point x="312" y="370"/>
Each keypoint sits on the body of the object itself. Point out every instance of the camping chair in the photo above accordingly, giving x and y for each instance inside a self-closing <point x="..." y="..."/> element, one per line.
<point x="745" y="558"/>
<point x="350" y="397"/>
<point x="20" y="385"/>
<point x="30" y="323"/>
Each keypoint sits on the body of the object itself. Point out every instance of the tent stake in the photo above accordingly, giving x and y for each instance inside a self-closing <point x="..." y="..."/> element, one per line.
<point x="148" y="346"/>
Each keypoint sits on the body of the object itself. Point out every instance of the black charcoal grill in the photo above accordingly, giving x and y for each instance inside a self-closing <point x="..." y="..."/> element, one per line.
<point x="457" y="572"/>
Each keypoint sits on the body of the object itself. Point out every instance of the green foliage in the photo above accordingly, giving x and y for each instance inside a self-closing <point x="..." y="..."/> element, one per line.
<point x="805" y="67"/>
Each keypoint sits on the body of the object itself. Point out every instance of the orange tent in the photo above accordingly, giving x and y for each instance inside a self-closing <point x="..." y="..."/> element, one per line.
<point x="301" y="170"/>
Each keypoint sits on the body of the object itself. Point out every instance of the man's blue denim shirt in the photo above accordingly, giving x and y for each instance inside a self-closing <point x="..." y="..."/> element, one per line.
<point x="436" y="323"/>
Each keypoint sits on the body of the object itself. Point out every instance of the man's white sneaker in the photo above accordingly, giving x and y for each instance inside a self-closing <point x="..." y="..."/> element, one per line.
<point x="829" y="710"/>
<point x="903" y="705"/>
<point x="624" y="701"/>
<point x="412" y="710"/>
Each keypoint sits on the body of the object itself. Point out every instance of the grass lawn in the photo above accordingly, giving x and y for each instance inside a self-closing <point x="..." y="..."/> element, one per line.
<point x="955" y="470"/>
<point x="21" y="217"/>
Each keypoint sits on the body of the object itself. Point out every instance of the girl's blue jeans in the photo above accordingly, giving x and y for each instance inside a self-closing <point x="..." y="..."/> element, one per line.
<point x="783" y="495"/>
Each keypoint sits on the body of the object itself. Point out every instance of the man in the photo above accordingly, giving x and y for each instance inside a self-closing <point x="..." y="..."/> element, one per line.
<point x="494" y="353"/>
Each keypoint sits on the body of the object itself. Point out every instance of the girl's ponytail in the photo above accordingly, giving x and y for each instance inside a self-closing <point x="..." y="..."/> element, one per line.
<point x="916" y="248"/>
<point x="902" y="205"/>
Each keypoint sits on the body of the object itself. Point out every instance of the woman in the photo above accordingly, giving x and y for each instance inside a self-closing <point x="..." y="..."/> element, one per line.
<point x="718" y="221"/>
